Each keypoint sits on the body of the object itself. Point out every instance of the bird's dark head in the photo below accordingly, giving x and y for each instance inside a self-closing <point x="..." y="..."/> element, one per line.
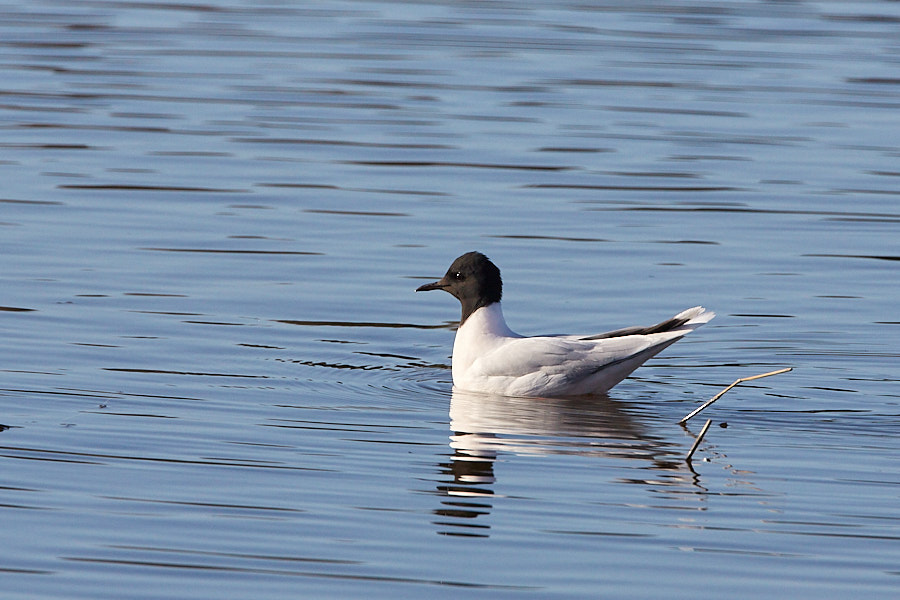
<point x="473" y="279"/>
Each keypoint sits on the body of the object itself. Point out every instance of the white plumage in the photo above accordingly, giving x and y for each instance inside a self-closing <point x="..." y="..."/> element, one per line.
<point x="489" y="357"/>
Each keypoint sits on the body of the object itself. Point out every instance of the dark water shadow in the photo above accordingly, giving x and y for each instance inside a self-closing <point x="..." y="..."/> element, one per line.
<point x="486" y="427"/>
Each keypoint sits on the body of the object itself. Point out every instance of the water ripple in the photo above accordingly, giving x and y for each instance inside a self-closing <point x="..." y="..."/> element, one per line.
<point x="179" y="176"/>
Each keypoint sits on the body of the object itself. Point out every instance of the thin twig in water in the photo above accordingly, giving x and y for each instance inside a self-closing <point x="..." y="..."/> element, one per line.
<point x="736" y="382"/>
<point x="698" y="440"/>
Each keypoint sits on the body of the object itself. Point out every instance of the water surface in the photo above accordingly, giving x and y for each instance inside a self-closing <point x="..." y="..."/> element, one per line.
<point x="218" y="382"/>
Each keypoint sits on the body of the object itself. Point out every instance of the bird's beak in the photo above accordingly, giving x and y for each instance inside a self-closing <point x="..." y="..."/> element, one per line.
<point x="434" y="285"/>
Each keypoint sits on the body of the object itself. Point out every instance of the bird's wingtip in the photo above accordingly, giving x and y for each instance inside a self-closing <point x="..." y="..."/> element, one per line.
<point x="696" y="316"/>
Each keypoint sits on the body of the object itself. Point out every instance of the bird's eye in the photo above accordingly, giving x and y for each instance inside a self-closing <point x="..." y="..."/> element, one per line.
<point x="458" y="276"/>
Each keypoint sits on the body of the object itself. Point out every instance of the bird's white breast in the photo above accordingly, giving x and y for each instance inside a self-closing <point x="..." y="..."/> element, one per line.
<point x="483" y="332"/>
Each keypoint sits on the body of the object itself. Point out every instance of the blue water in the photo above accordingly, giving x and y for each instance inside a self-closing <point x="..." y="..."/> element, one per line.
<point x="216" y="380"/>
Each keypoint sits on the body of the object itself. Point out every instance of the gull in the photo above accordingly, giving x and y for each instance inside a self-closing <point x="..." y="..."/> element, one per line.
<point x="490" y="358"/>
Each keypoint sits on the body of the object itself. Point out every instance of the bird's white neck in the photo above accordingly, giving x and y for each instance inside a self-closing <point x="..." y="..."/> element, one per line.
<point x="486" y="321"/>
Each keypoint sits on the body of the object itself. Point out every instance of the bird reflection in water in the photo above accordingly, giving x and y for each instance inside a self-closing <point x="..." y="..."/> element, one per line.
<point x="484" y="427"/>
